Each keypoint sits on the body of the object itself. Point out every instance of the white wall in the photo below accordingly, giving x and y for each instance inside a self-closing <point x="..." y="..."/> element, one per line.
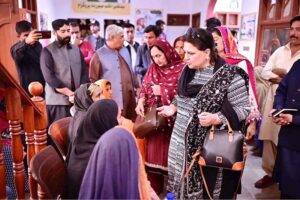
<point x="200" y="6"/>
<point x="228" y="6"/>
<point x="63" y="9"/>
<point x="247" y="48"/>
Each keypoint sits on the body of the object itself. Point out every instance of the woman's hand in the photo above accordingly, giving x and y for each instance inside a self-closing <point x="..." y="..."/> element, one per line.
<point x="251" y="130"/>
<point x="156" y="90"/>
<point x="167" y="111"/>
<point x="207" y="119"/>
<point x="140" y="110"/>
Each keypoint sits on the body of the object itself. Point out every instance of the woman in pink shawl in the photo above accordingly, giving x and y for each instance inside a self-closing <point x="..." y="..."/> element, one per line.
<point x="227" y="49"/>
<point x="160" y="82"/>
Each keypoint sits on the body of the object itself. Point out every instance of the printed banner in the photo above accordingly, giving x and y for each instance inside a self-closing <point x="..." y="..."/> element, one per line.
<point x="113" y="7"/>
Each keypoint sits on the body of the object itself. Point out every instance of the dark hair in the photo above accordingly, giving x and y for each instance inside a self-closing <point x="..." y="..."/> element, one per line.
<point x="296" y="18"/>
<point x="180" y="38"/>
<point x="212" y="22"/>
<point x="58" y="23"/>
<point x="202" y="40"/>
<point x="215" y="30"/>
<point x="95" y="23"/>
<point x="159" y="22"/>
<point x="74" y="24"/>
<point x="128" y="25"/>
<point x="152" y="28"/>
<point x="23" y="26"/>
<point x="234" y="32"/>
<point x="108" y="83"/>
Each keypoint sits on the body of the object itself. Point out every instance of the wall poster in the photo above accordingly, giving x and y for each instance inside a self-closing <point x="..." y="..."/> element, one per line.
<point x="248" y="27"/>
<point x="145" y="17"/>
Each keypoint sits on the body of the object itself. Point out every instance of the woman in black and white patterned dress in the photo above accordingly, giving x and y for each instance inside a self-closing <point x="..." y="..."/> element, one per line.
<point x="209" y="91"/>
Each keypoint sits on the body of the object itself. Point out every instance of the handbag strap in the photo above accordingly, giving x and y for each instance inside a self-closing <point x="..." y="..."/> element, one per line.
<point x="198" y="152"/>
<point x="192" y="163"/>
<point x="206" y="186"/>
<point x="213" y="127"/>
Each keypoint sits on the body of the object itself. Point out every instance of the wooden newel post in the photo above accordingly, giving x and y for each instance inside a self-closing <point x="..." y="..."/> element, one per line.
<point x="40" y="120"/>
<point x="14" y="109"/>
<point x="40" y="123"/>
<point x="2" y="174"/>
<point x="28" y="120"/>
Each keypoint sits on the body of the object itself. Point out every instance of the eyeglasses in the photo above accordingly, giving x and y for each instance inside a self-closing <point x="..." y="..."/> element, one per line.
<point x="74" y="32"/>
<point x="192" y="32"/>
<point x="294" y="29"/>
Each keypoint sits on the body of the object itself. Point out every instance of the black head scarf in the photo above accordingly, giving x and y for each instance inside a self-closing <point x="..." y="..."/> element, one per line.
<point x="100" y="117"/>
<point x="82" y="101"/>
<point x="191" y="91"/>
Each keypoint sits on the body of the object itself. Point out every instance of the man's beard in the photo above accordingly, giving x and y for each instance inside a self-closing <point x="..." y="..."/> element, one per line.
<point x="64" y="41"/>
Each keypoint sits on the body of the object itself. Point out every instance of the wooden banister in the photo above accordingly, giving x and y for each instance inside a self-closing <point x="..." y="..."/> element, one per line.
<point x="28" y="114"/>
<point x="13" y="111"/>
<point x="41" y="124"/>
<point x="2" y="172"/>
<point x="32" y="112"/>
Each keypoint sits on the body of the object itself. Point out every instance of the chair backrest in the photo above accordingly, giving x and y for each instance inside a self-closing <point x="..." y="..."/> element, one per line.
<point x="49" y="170"/>
<point x="58" y="131"/>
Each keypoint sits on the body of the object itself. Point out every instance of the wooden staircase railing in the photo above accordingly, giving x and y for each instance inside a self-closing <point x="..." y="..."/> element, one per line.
<point x="20" y="108"/>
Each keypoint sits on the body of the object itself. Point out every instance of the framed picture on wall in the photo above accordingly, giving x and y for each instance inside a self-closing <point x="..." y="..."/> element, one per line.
<point x="178" y="19"/>
<point x="43" y="21"/>
<point x="196" y="20"/>
<point x="273" y="38"/>
<point x="145" y="17"/>
<point x="248" y="30"/>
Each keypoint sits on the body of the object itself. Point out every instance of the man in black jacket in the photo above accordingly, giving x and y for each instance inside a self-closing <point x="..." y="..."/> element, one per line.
<point x="26" y="54"/>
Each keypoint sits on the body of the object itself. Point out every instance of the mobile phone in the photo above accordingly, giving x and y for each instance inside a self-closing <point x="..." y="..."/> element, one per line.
<point x="285" y="111"/>
<point x="45" y="34"/>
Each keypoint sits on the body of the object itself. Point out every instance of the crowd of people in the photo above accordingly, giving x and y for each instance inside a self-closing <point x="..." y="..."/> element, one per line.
<point x="199" y="82"/>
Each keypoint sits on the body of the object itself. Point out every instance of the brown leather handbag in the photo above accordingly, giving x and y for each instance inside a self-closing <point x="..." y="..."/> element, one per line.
<point x="223" y="149"/>
<point x="145" y="126"/>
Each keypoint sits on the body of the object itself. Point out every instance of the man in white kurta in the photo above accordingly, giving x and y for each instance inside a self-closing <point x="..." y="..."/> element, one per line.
<point x="277" y="66"/>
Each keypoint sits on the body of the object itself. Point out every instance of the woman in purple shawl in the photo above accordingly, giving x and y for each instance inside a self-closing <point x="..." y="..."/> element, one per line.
<point x="115" y="169"/>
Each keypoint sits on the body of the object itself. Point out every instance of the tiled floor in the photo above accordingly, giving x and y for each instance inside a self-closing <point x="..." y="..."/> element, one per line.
<point x="252" y="173"/>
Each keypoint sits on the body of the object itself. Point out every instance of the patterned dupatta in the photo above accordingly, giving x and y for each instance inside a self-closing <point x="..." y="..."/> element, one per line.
<point x="232" y="56"/>
<point x="209" y="99"/>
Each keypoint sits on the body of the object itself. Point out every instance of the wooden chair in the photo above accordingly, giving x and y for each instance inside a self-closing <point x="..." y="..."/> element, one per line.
<point x="49" y="170"/>
<point x="58" y="131"/>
